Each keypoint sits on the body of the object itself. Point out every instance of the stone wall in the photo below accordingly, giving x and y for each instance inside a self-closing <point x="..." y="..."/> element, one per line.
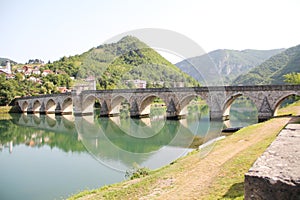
<point x="276" y="174"/>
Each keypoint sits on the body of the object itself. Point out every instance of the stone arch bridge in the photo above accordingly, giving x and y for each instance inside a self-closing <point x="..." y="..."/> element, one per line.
<point x="267" y="99"/>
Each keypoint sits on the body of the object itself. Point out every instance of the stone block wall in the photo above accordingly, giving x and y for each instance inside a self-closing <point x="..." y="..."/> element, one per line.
<point x="276" y="174"/>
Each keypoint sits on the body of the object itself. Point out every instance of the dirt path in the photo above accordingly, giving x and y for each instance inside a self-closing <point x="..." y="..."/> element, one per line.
<point x="192" y="176"/>
<point x="195" y="179"/>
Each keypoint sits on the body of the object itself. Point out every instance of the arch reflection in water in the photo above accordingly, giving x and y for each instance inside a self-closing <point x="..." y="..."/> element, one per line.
<point x="118" y="144"/>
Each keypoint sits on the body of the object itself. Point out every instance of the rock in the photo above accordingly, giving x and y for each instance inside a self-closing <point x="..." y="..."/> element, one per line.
<point x="276" y="174"/>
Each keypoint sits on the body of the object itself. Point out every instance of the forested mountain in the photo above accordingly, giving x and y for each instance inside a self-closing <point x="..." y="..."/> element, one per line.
<point x="272" y="71"/>
<point x="228" y="63"/>
<point x="128" y="59"/>
<point x="3" y="61"/>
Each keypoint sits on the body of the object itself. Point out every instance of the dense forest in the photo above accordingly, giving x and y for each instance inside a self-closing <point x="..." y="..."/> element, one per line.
<point x="273" y="70"/>
<point x="128" y="59"/>
<point x="18" y="87"/>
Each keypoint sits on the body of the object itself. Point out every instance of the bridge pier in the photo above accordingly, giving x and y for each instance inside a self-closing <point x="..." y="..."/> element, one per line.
<point x="82" y="107"/>
<point x="264" y="116"/>
<point x="267" y="99"/>
<point x="216" y="115"/>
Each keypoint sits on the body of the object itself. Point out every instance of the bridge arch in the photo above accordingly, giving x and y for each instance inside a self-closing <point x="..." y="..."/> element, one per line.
<point x="146" y="102"/>
<point x="88" y="104"/>
<point x="24" y="106"/>
<point x="228" y="102"/>
<point x="281" y="99"/>
<point x="50" y="106"/>
<point x="36" y="106"/>
<point x="67" y="106"/>
<point x="185" y="102"/>
<point x="116" y="105"/>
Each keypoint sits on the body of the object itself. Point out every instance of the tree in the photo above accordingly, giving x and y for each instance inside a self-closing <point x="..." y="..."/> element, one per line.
<point x="49" y="86"/>
<point x="7" y="90"/>
<point x="293" y="78"/>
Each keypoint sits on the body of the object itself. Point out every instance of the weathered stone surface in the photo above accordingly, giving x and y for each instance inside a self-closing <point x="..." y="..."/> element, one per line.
<point x="266" y="98"/>
<point x="276" y="174"/>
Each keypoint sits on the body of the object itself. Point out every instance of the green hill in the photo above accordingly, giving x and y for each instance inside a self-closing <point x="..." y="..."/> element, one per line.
<point x="3" y="61"/>
<point x="228" y="63"/>
<point x="128" y="59"/>
<point x="272" y="70"/>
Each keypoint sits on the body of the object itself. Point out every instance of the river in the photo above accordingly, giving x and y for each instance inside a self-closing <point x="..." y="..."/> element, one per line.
<point x="53" y="157"/>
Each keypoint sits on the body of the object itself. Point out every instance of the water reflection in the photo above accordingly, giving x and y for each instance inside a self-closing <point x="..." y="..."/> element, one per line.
<point x="116" y="142"/>
<point x="37" y="131"/>
<point x="54" y="149"/>
<point x="119" y="143"/>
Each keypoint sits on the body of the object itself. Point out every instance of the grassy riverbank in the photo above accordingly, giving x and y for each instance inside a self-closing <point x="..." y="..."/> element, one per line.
<point x="219" y="175"/>
<point x="5" y="109"/>
<point x="8" y="109"/>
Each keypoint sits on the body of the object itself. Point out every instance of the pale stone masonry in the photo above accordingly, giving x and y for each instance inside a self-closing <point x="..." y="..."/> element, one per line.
<point x="276" y="174"/>
<point x="266" y="99"/>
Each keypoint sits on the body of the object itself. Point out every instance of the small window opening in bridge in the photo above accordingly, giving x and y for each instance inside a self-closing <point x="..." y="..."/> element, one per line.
<point x="242" y="112"/>
<point x="289" y="105"/>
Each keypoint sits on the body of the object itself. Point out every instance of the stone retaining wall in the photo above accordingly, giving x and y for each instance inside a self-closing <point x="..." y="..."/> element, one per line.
<point x="276" y="174"/>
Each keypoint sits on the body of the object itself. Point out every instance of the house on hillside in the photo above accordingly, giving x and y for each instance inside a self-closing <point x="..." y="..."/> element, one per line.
<point x="36" y="71"/>
<point x="177" y="84"/>
<point x="8" y="76"/>
<point x="137" y="83"/>
<point x="27" y="70"/>
<point x="46" y="72"/>
<point x="20" y="70"/>
<point x="63" y="89"/>
<point x="60" y="72"/>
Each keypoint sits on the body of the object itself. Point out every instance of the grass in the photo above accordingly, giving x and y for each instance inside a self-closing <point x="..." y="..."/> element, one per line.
<point x="229" y="184"/>
<point x="292" y="109"/>
<point x="5" y="109"/>
<point x="8" y="109"/>
<point x="131" y="189"/>
<point x="229" y="181"/>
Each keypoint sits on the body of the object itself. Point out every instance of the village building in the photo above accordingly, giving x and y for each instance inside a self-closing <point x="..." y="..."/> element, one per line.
<point x="36" y="71"/>
<point x="137" y="83"/>
<point x="46" y="72"/>
<point x="6" y="69"/>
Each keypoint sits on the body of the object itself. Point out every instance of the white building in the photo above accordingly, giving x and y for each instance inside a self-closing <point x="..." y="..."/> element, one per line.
<point x="7" y="68"/>
<point x="137" y="83"/>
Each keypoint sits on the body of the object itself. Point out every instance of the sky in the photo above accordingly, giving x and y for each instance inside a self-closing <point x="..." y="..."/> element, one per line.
<point x="51" y="29"/>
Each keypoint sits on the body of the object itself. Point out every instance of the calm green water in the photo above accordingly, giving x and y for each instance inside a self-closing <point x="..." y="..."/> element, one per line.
<point x="53" y="157"/>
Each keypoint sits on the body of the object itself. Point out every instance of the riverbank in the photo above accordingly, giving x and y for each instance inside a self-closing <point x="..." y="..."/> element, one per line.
<point x="8" y="109"/>
<point x="218" y="175"/>
<point x="5" y="109"/>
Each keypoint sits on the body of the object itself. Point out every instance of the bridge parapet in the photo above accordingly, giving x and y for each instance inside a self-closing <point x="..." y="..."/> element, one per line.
<point x="266" y="98"/>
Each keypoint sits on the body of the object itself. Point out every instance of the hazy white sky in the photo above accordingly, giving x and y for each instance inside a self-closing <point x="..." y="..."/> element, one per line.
<point x="51" y="29"/>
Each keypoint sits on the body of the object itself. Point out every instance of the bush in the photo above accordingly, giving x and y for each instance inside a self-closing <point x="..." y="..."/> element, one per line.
<point x="137" y="172"/>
